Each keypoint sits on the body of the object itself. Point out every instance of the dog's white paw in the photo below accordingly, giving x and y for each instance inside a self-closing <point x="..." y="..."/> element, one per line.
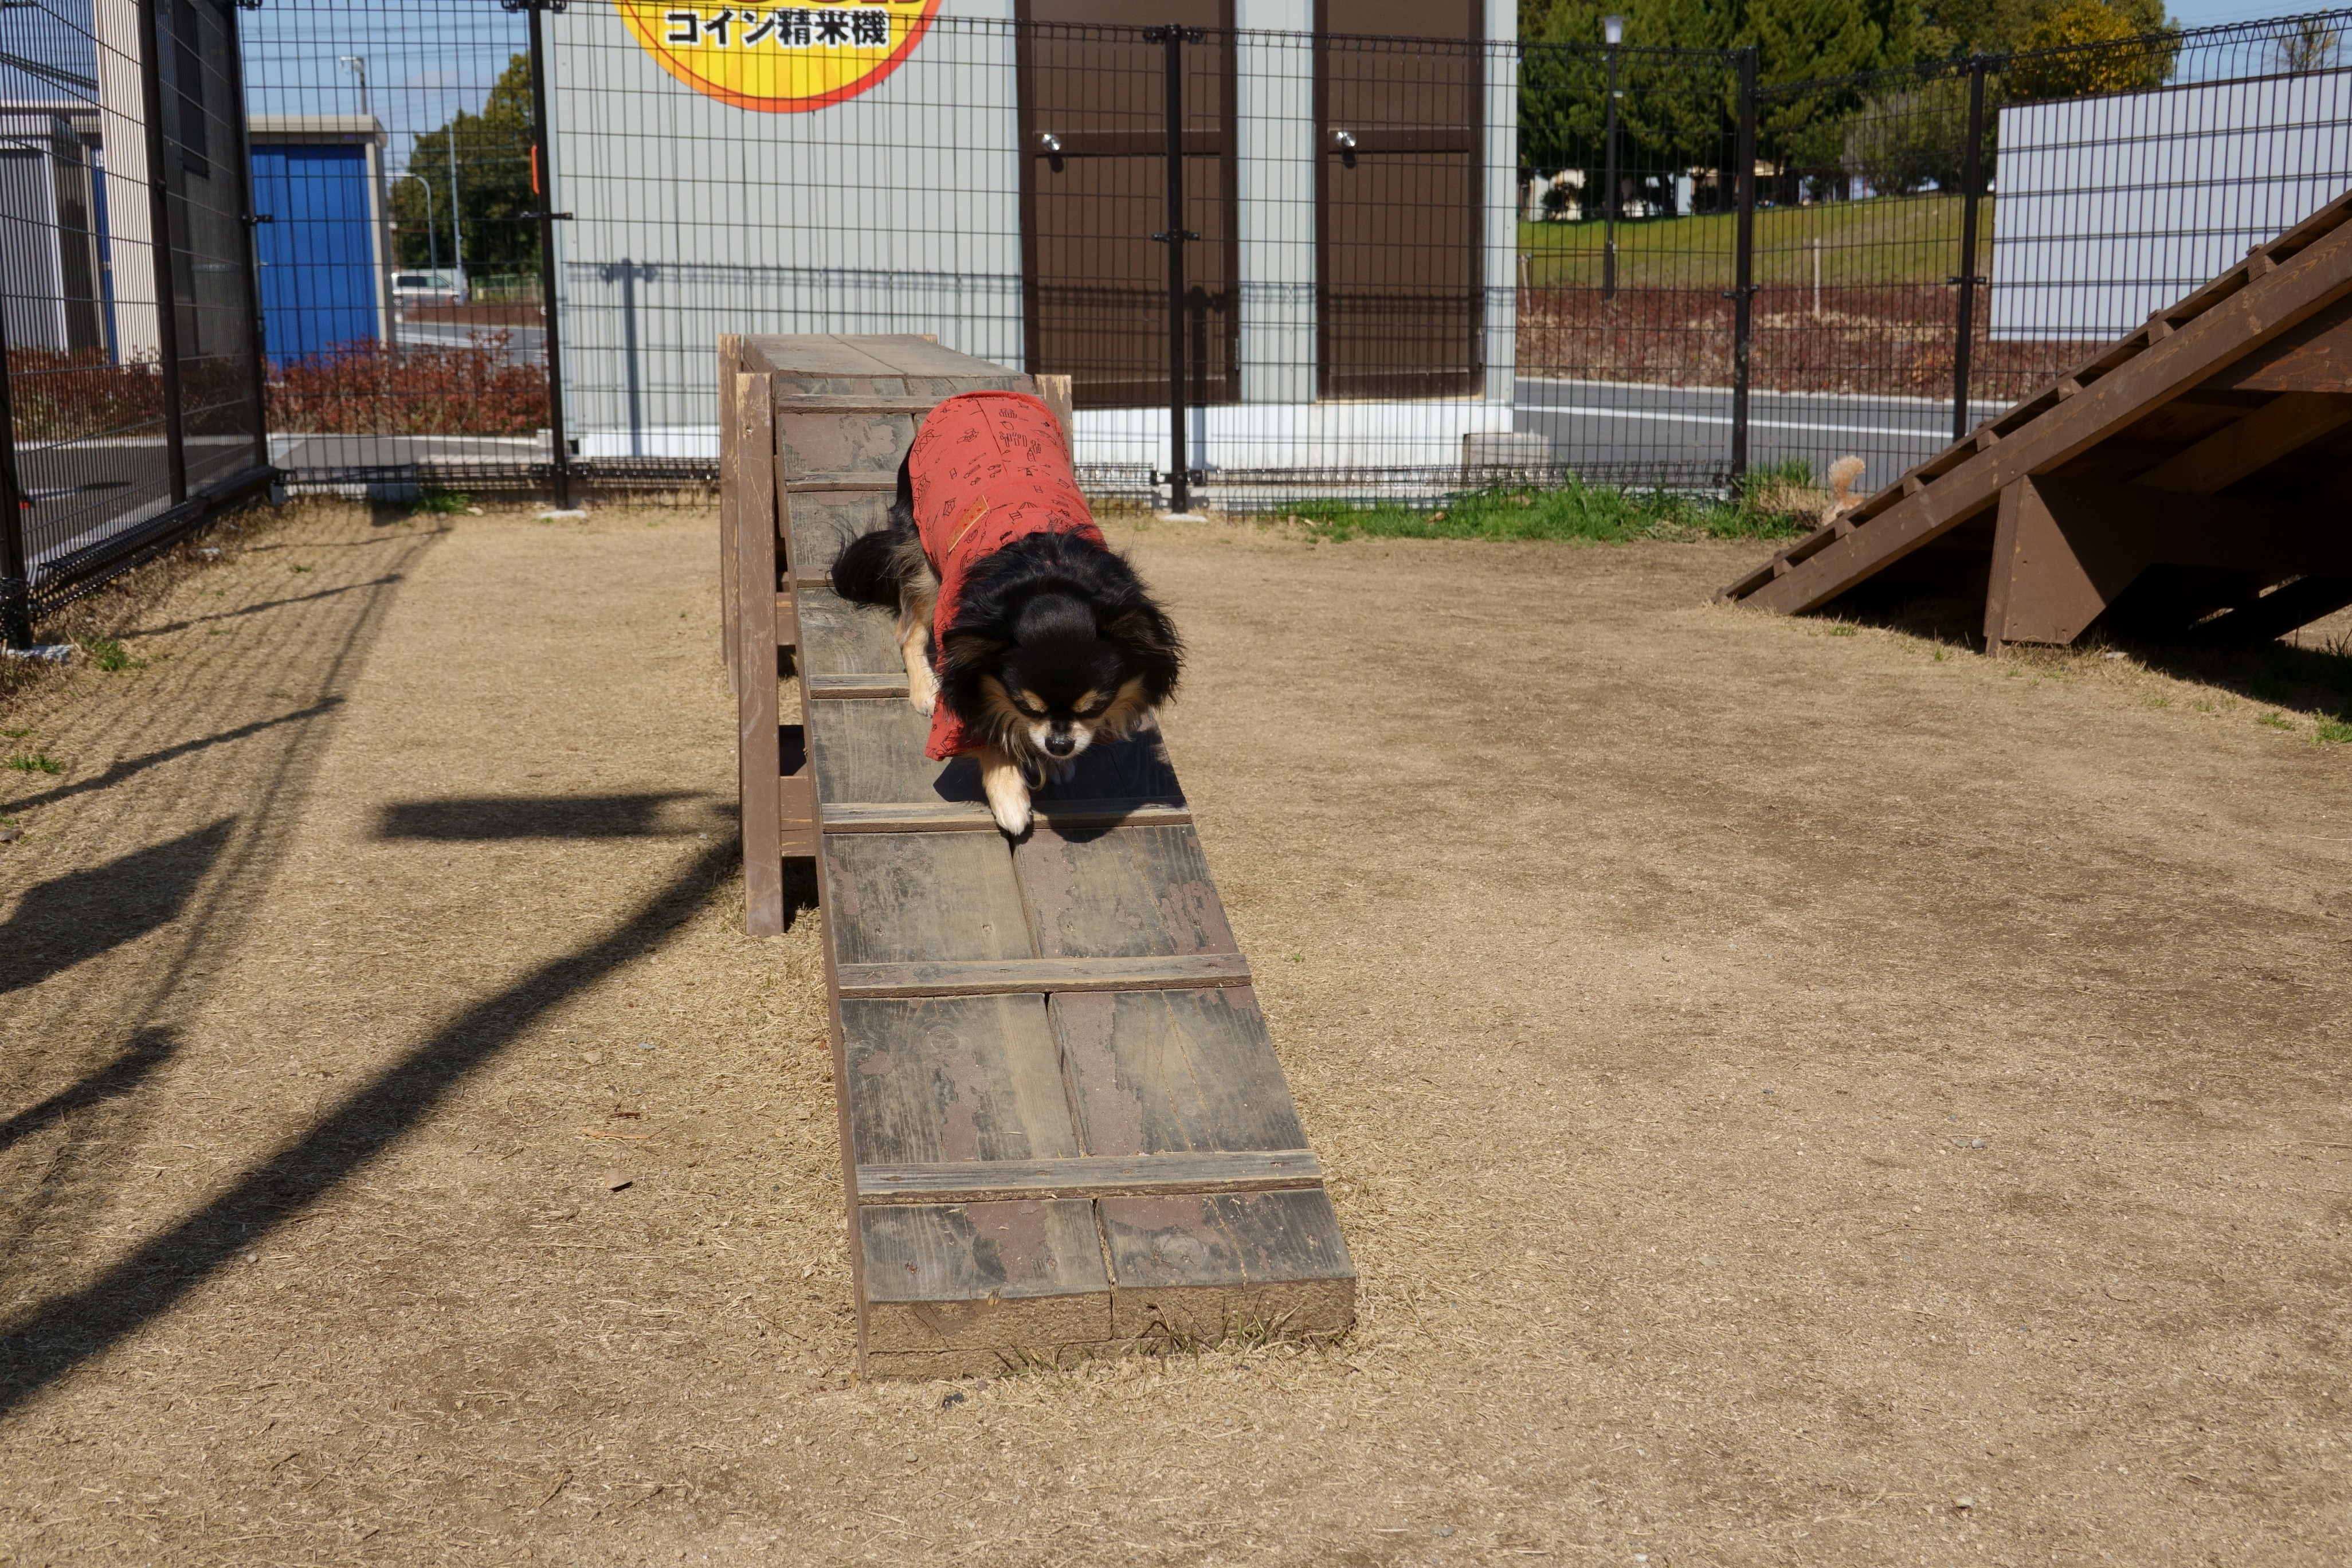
<point x="1008" y="797"/>
<point x="923" y="692"/>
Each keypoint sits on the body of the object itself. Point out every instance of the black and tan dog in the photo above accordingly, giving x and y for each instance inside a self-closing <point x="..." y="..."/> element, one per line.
<point x="1026" y="637"/>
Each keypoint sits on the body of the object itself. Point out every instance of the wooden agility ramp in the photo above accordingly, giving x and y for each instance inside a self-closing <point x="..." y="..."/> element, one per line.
<point x="1063" y="1126"/>
<point x="2195" y="474"/>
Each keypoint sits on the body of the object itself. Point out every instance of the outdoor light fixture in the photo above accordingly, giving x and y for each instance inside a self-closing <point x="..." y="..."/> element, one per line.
<point x="1613" y="29"/>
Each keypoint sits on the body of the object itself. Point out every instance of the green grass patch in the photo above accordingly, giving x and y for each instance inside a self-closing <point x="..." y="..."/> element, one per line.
<point x="2334" y="731"/>
<point x="2276" y="721"/>
<point x="35" y="762"/>
<point x="110" y="655"/>
<point x="17" y="734"/>
<point x="1597" y="513"/>
<point x="1886" y="239"/>
<point x="442" y="501"/>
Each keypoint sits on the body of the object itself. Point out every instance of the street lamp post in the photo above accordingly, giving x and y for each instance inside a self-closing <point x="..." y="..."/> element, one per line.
<point x="357" y="65"/>
<point x="457" y="234"/>
<point x="1612" y="28"/>
<point x="432" y="240"/>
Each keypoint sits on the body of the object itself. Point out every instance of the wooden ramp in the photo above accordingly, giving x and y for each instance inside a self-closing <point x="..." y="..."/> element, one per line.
<point x="2197" y="473"/>
<point x="1063" y="1126"/>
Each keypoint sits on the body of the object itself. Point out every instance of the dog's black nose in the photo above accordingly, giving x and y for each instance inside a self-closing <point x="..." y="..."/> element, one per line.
<point x="1060" y="745"/>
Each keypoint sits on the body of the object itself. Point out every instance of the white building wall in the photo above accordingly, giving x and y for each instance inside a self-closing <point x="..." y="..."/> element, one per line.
<point x="897" y="211"/>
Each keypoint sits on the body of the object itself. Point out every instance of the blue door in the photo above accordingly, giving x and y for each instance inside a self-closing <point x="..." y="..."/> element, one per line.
<point x="319" y="287"/>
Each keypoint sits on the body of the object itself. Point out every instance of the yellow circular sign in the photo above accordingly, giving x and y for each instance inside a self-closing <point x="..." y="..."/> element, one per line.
<point x="781" y="60"/>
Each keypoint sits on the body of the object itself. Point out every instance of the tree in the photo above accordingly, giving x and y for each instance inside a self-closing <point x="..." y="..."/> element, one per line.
<point x="1953" y="29"/>
<point x="493" y="184"/>
<point x="2085" y="48"/>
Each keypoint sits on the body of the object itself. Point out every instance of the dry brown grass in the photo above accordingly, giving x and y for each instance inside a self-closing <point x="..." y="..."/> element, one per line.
<point x="1792" y="1097"/>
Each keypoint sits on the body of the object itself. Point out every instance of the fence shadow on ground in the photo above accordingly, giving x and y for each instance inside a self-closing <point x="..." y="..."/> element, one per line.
<point x="130" y="765"/>
<point x="67" y="1329"/>
<point x="484" y="818"/>
<point x="71" y="919"/>
<point x="149" y="1048"/>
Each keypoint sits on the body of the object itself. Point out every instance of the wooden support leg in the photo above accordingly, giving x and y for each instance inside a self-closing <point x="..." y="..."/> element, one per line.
<point x="758" y="741"/>
<point x="730" y="355"/>
<point x="2056" y="565"/>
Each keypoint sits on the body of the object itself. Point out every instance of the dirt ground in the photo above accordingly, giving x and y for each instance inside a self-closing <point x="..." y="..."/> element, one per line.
<point x="1795" y="1093"/>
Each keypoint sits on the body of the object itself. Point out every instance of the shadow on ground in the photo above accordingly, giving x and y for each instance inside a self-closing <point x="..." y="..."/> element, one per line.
<point x="62" y="1333"/>
<point x="149" y="1050"/>
<point x="66" y="920"/>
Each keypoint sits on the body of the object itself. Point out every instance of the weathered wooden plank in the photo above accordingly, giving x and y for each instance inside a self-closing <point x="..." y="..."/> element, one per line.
<point x="788" y="622"/>
<point x="730" y="355"/>
<point x="2314" y="357"/>
<point x="985" y="977"/>
<point x="796" y="827"/>
<point x="995" y="1284"/>
<point x="804" y="356"/>
<point x="872" y="750"/>
<point x="817" y="444"/>
<point x="950" y="1082"/>
<point x="819" y="524"/>
<point x="847" y="687"/>
<point x="972" y="817"/>
<point x="920" y="901"/>
<point x="914" y="355"/>
<point x="1112" y="1176"/>
<point x="1203" y="1268"/>
<point x="1155" y="1072"/>
<point x="862" y="482"/>
<point x="758" y="741"/>
<point x="843" y="638"/>
<point x="1121" y="892"/>
<point x="1058" y="393"/>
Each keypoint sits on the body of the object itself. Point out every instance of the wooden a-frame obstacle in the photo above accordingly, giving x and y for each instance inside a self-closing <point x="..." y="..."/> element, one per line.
<point x="2197" y="473"/>
<point x="1063" y="1127"/>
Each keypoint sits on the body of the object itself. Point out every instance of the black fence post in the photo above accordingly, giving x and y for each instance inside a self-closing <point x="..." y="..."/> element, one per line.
<point x="1971" y="188"/>
<point x="1743" y="266"/>
<point x="543" y="189"/>
<point x="16" y="570"/>
<point x="159" y="219"/>
<point x="1180" y="471"/>
<point x="253" y="220"/>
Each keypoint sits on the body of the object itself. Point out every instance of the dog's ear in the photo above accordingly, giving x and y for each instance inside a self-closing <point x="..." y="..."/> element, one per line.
<point x="963" y="650"/>
<point x="1148" y="640"/>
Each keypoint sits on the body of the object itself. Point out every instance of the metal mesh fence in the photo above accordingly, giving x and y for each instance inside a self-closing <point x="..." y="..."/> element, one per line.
<point x="497" y="246"/>
<point x="133" y="398"/>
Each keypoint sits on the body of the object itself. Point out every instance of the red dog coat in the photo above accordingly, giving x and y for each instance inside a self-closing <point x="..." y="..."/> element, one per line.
<point x="988" y="468"/>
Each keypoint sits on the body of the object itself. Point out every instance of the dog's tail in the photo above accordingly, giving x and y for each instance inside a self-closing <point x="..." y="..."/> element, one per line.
<point x="866" y="570"/>
<point x="1842" y="475"/>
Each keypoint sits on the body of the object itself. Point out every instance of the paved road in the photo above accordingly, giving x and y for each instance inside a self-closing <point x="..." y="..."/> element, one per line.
<point x="1606" y="428"/>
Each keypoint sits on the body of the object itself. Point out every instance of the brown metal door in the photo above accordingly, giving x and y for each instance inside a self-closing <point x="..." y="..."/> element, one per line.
<point x="1094" y="190"/>
<point x="1400" y="311"/>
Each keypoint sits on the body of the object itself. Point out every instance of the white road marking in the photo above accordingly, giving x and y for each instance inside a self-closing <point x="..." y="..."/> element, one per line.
<point x="1753" y="422"/>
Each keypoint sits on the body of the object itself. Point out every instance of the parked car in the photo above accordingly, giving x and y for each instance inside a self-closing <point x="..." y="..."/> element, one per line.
<point x="417" y="286"/>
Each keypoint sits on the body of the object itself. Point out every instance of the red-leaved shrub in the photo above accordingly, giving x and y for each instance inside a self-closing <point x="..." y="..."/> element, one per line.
<point x="1891" y="339"/>
<point x="363" y="389"/>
